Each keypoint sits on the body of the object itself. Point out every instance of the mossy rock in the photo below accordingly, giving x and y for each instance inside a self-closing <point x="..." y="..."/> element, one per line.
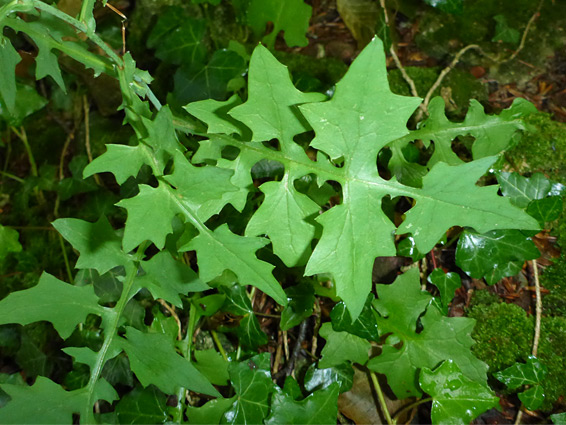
<point x="504" y="335"/>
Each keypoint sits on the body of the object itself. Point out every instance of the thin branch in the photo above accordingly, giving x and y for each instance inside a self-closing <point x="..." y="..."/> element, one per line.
<point x="173" y="314"/>
<point x="381" y="398"/>
<point x="538" y="308"/>
<point x="525" y="33"/>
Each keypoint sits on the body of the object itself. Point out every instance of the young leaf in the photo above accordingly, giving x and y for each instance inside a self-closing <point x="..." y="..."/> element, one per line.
<point x="290" y="16"/>
<point x="503" y="32"/>
<point x="531" y="373"/>
<point x="8" y="241"/>
<point x="456" y="398"/>
<point x="321" y="407"/>
<point x="447" y="283"/>
<point x="121" y="160"/>
<point x="400" y="305"/>
<point x="494" y="255"/>
<point x="341" y="347"/>
<point x="215" y="114"/>
<point x="98" y="245"/>
<point x="301" y="301"/>
<point x="251" y="380"/>
<point x="73" y="305"/>
<point x="154" y="361"/>
<point x="316" y="379"/>
<point x="364" y="326"/>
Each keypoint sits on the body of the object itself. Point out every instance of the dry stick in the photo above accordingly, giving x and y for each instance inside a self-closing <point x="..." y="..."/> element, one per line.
<point x="538" y="316"/>
<point x="173" y="314"/>
<point x="524" y="37"/>
<point x="296" y="348"/>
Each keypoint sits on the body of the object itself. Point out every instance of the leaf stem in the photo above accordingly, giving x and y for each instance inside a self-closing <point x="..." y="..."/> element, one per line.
<point x="410" y="407"/>
<point x="218" y="344"/>
<point x="66" y="259"/>
<point x="538" y="308"/>
<point x="381" y="398"/>
<point x="12" y="176"/>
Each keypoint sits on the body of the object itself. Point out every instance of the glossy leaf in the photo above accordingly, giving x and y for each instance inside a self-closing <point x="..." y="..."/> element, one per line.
<point x="456" y="399"/>
<point x="447" y="283"/>
<point x="142" y="406"/>
<point x="341" y="347"/>
<point x="522" y="190"/>
<point x="406" y="351"/>
<point x="546" y="209"/>
<point x="321" y="407"/>
<point x="290" y="16"/>
<point x="365" y="326"/>
<point x="316" y="379"/>
<point x="531" y="373"/>
<point x="494" y="255"/>
<point x="251" y="380"/>
<point x="301" y="302"/>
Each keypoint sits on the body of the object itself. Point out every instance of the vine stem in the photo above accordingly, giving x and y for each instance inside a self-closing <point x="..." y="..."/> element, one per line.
<point x="409" y="407"/>
<point x="381" y="399"/>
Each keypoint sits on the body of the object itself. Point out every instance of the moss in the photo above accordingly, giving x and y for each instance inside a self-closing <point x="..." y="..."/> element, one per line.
<point x="484" y="297"/>
<point x="542" y="149"/>
<point x="503" y="334"/>
<point x="554" y="280"/>
<point x="457" y="88"/>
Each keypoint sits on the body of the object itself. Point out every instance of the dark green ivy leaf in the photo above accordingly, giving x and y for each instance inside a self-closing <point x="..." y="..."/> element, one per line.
<point x="364" y="326"/>
<point x="142" y="406"/>
<point x="494" y="255"/>
<point x="301" y="301"/>
<point x="531" y="373"/>
<point x="321" y="407"/>
<point x="316" y="379"/>
<point x="447" y="283"/>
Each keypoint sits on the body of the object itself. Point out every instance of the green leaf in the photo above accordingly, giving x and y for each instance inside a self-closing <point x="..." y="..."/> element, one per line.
<point x="9" y="58"/>
<point x="9" y="241"/>
<point x="456" y="398"/>
<point x="364" y="326"/>
<point x="121" y="160"/>
<point x="177" y="37"/>
<point x="290" y="16"/>
<point x="558" y="418"/>
<point x="98" y="245"/>
<point x="321" y="407"/>
<point x="215" y="114"/>
<point x="503" y="32"/>
<point x="211" y="412"/>
<point x="28" y="101"/>
<point x="154" y="361"/>
<point x="251" y="380"/>
<point x="531" y="373"/>
<point x="546" y="209"/>
<point x="223" y="250"/>
<point x="249" y="332"/>
<point x="522" y="190"/>
<point x="447" y="283"/>
<point x="51" y="403"/>
<point x="142" y="406"/>
<point x="316" y="379"/>
<point x="301" y="301"/>
<point x="284" y="209"/>
<point x="341" y="347"/>
<point x="494" y="255"/>
<point x="166" y="278"/>
<point x="195" y="81"/>
<point x="212" y="365"/>
<point x="73" y="305"/>
<point x="400" y="306"/>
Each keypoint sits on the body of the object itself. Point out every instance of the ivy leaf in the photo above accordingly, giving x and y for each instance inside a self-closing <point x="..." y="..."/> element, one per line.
<point x="503" y="32"/>
<point x="558" y="418"/>
<point x="9" y="58"/>
<point x="9" y="241"/>
<point x="73" y="305"/>
<point x="447" y="283"/>
<point x="166" y="278"/>
<point x="341" y="347"/>
<point x="98" y="245"/>
<point x="365" y="326"/>
<point x="316" y="379"/>
<point x="177" y="38"/>
<point x="400" y="306"/>
<point x="154" y="361"/>
<point x="546" y="209"/>
<point x="290" y="16"/>
<point x="494" y="255"/>
<point x="301" y="301"/>
<point x="251" y="380"/>
<point x="142" y="406"/>
<point x="223" y="250"/>
<point x="51" y="403"/>
<point x="531" y="373"/>
<point x="522" y="190"/>
<point x="249" y="332"/>
<point x="456" y="398"/>
<point x="321" y="407"/>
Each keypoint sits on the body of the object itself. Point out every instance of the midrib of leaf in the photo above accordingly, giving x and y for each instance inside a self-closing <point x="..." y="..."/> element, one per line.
<point x="111" y="332"/>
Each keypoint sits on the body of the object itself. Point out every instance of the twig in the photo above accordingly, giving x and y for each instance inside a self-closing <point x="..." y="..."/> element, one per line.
<point x="317" y="323"/>
<point x="525" y="33"/>
<point x="296" y="348"/>
<point x="538" y="308"/>
<point x="173" y="314"/>
<point x="409" y="407"/>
